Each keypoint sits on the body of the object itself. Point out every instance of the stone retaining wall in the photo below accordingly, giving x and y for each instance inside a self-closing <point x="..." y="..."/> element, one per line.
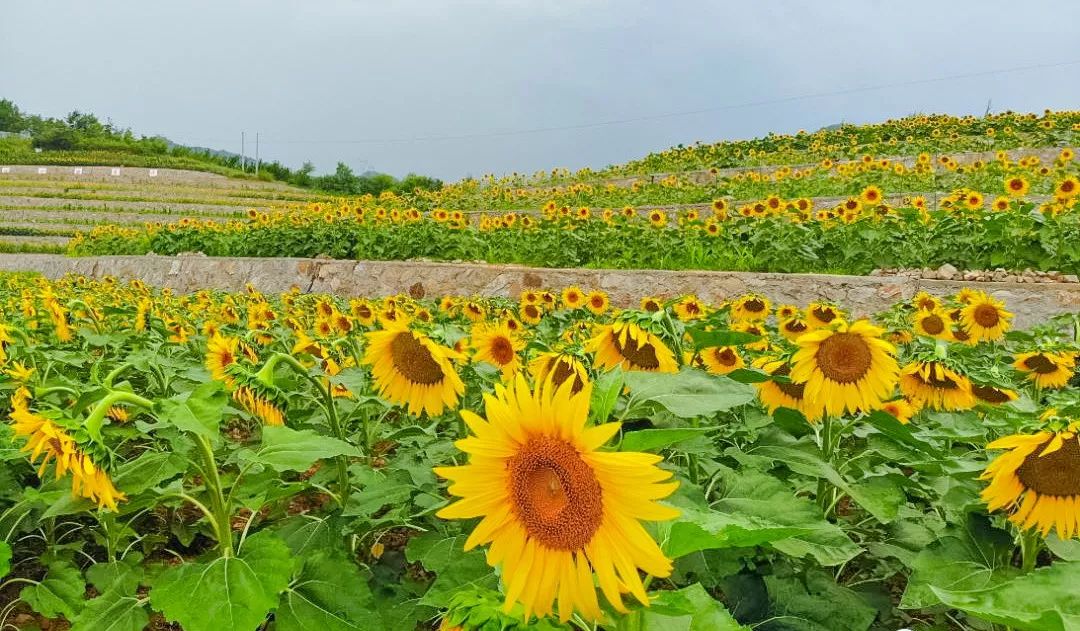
<point x="864" y="295"/>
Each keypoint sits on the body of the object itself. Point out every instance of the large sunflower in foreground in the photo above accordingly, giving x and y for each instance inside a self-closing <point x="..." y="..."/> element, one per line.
<point x="985" y="318"/>
<point x="411" y="369"/>
<point x="556" y="511"/>
<point x="847" y="367"/>
<point x="628" y="345"/>
<point x="1037" y="480"/>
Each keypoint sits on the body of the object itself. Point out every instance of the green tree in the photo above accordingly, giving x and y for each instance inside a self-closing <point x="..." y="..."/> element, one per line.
<point x="11" y="119"/>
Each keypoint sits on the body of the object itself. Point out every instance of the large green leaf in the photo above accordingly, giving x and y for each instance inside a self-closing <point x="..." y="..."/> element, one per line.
<point x="226" y="594"/>
<point x="816" y="603"/>
<point x="60" y="593"/>
<point x="114" y="610"/>
<point x="700" y="528"/>
<point x="5" y="558"/>
<point x="649" y="439"/>
<point x="330" y="594"/>
<point x="1043" y="600"/>
<point x="198" y="411"/>
<point x="287" y="449"/>
<point x="688" y="609"/>
<point x="689" y="393"/>
<point x="454" y="568"/>
<point x="148" y="470"/>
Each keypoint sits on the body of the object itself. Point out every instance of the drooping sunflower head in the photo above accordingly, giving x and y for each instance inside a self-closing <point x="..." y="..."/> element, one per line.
<point x="750" y="308"/>
<point x="985" y="318"/>
<point x="1037" y="481"/>
<point x="933" y="384"/>
<point x="783" y="393"/>
<point x="993" y="395"/>
<point x="846" y="367"/>
<point x="497" y="345"/>
<point x="1046" y="369"/>
<point x="560" y="516"/>
<point x="560" y="368"/>
<point x="627" y="344"/>
<point x="411" y="369"/>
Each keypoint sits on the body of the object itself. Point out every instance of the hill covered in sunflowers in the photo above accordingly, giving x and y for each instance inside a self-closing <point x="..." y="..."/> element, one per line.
<point x="925" y="191"/>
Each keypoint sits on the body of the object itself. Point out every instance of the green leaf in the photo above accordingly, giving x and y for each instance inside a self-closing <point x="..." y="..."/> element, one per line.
<point x="226" y="594"/>
<point x="5" y="558"/>
<point x="124" y="576"/>
<point x="749" y="375"/>
<point x="689" y="393"/>
<point x="198" y="411"/>
<point x="148" y="470"/>
<point x="60" y="593"/>
<point x="114" y="610"/>
<point x="329" y="595"/>
<point x="1068" y="550"/>
<point x="704" y="529"/>
<point x="605" y="395"/>
<point x="454" y="568"/>
<point x="708" y="339"/>
<point x="1043" y="600"/>
<point x="888" y="425"/>
<point x="688" y="609"/>
<point x="287" y="449"/>
<point x="355" y="379"/>
<point x="817" y="603"/>
<point x="649" y="439"/>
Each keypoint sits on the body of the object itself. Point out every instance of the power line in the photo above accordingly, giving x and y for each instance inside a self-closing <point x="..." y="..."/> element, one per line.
<point x="704" y="110"/>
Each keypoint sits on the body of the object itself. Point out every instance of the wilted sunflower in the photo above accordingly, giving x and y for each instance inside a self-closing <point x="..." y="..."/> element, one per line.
<point x="985" y="318"/>
<point x="558" y="513"/>
<point x="1037" y="480"/>
<point x="721" y="360"/>
<point x="411" y="369"/>
<point x="497" y="345"/>
<point x="932" y="384"/>
<point x="560" y="368"/>
<point x="847" y="367"/>
<point x="1046" y="369"/>
<point x="628" y="345"/>
<point x="750" y="308"/>
<point x="933" y="324"/>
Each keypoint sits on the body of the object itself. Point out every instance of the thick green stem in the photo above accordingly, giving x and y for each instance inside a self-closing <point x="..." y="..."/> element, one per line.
<point x="96" y="418"/>
<point x="219" y="507"/>
<point x="1030" y="545"/>
<point x="825" y="491"/>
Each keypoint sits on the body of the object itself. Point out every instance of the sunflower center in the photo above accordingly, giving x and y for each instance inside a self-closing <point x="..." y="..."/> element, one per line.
<point x="844" y="357"/>
<point x="933" y="324"/>
<point x="414" y="361"/>
<point x="643" y="356"/>
<point x="555" y="494"/>
<point x="825" y="315"/>
<point x="1040" y="364"/>
<point x="502" y="351"/>
<point x="990" y="394"/>
<point x="986" y="316"/>
<point x="754" y="306"/>
<point x="726" y="356"/>
<point x="794" y="326"/>
<point x="564" y="370"/>
<point x="1056" y="474"/>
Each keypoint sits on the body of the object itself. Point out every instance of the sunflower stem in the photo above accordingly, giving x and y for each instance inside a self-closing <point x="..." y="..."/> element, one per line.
<point x="219" y="507"/>
<point x="1030" y="545"/>
<point x="826" y="494"/>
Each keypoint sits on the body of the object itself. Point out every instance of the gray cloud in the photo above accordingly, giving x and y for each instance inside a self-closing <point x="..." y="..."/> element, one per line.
<point x="308" y="75"/>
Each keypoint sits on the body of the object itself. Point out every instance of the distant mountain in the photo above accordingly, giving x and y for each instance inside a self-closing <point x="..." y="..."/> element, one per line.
<point x="218" y="153"/>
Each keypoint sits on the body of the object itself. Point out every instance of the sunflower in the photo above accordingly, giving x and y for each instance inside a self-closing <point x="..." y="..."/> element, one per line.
<point x="1017" y="186"/>
<point x="573" y="298"/>
<point x="19" y="372"/>
<point x="261" y="404"/>
<point x="993" y="394"/>
<point x="1037" y="480"/>
<point x="933" y="324"/>
<point x="221" y="352"/>
<point x="750" y="308"/>
<point x="1046" y="369"/>
<point x="628" y="345"/>
<point x="721" y="360"/>
<point x="781" y="394"/>
<point x="786" y="312"/>
<point x="531" y="313"/>
<point x="900" y="409"/>
<point x="845" y="368"/>
<point x="1001" y="204"/>
<point x="870" y="195"/>
<point x="497" y="345"/>
<point x="793" y="328"/>
<point x="1068" y="187"/>
<point x="558" y="514"/>
<point x="985" y="318"/>
<point x="597" y="302"/>
<point x="411" y="369"/>
<point x="560" y="368"/>
<point x="689" y="308"/>
<point x="657" y="218"/>
<point x="923" y="300"/>
<point x="651" y="304"/>
<point x="819" y="314"/>
<point x="932" y="384"/>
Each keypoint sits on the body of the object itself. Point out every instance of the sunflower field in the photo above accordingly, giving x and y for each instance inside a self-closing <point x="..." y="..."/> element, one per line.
<point x="229" y="462"/>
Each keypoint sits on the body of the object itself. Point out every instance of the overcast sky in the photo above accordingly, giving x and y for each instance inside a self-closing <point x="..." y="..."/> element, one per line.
<point x="394" y="85"/>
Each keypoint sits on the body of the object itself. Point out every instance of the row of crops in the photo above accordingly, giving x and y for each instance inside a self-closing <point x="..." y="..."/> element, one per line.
<point x="219" y="461"/>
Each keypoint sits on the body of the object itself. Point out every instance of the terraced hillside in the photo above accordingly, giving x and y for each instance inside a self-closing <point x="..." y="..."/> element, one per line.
<point x="41" y="207"/>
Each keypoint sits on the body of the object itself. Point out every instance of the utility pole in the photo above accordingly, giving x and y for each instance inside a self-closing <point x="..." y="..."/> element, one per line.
<point x="243" y="159"/>
<point x="256" y="154"/>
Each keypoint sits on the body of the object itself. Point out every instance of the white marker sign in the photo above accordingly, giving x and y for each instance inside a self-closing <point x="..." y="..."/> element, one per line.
<point x="42" y="171"/>
<point x="152" y="173"/>
<point x="116" y="171"/>
<point x="77" y="170"/>
<point x="5" y="169"/>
